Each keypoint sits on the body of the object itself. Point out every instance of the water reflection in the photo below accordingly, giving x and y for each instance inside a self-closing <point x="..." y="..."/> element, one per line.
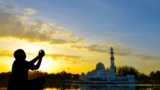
<point x="95" y="87"/>
<point x="102" y="87"/>
<point x="108" y="87"/>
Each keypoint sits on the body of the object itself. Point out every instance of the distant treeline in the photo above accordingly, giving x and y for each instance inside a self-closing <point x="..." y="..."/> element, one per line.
<point x="54" y="79"/>
<point x="57" y="79"/>
<point x="153" y="77"/>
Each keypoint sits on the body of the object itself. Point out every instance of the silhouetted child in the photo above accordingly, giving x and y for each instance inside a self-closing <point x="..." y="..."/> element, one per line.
<point x="19" y="77"/>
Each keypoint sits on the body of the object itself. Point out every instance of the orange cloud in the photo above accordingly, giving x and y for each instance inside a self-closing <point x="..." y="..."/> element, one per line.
<point x="68" y="58"/>
<point x="6" y="53"/>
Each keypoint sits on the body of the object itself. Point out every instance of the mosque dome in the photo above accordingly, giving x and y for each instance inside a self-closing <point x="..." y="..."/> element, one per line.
<point x="100" y="66"/>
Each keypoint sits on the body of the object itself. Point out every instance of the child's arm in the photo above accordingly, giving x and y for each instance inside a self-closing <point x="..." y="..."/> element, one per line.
<point x="39" y="59"/>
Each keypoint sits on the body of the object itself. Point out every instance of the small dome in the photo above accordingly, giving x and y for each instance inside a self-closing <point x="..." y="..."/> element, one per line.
<point x="100" y="66"/>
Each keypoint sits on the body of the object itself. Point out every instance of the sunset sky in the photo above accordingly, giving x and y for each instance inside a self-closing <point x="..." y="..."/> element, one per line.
<point x="77" y="34"/>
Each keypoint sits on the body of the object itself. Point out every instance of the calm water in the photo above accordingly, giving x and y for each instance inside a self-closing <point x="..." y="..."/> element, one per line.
<point x="104" y="87"/>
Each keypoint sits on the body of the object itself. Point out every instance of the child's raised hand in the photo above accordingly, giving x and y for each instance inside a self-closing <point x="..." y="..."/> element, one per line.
<point x="41" y="53"/>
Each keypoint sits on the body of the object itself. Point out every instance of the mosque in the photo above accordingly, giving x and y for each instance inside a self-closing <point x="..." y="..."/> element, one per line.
<point x="101" y="75"/>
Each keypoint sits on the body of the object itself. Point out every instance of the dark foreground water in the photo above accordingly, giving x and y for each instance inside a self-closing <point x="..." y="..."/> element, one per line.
<point x="103" y="87"/>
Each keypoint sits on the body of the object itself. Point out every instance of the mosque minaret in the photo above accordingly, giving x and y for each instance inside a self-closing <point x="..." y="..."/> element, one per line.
<point x="112" y="67"/>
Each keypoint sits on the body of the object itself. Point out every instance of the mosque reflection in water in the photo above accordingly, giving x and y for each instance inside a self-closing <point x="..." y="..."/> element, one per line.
<point x="107" y="87"/>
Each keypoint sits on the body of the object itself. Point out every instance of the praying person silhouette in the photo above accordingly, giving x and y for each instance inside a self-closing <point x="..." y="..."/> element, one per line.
<point x="19" y="77"/>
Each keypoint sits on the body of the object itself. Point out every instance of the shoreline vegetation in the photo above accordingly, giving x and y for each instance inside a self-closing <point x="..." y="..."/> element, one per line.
<point x="57" y="79"/>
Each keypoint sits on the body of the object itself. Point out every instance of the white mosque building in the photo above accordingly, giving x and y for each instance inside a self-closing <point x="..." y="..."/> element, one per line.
<point x="101" y="75"/>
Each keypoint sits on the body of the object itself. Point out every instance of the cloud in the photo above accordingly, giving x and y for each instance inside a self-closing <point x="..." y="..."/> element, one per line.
<point x="30" y="11"/>
<point x="119" y="49"/>
<point x="7" y="6"/>
<point x="18" y="25"/>
<point x="135" y="54"/>
<point x="21" y="17"/>
<point x="101" y="47"/>
<point x="66" y="58"/>
<point x="146" y="56"/>
<point x="6" y="53"/>
<point x="11" y="6"/>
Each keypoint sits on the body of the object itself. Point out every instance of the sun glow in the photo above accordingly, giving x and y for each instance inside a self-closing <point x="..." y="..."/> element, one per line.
<point x="31" y="49"/>
<point x="48" y="65"/>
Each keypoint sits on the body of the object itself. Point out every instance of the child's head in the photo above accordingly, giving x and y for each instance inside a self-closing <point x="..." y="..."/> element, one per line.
<point x="20" y="54"/>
